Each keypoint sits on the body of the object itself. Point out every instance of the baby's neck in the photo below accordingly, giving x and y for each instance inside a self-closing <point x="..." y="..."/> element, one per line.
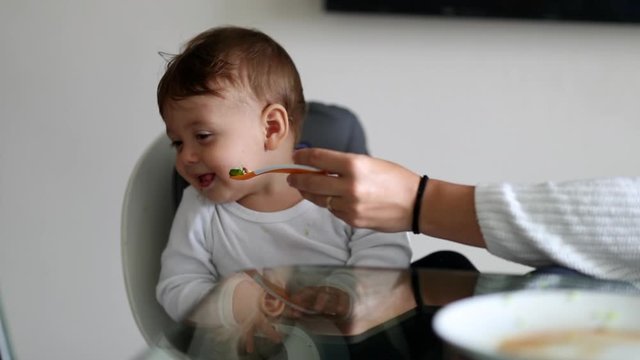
<point x="277" y="196"/>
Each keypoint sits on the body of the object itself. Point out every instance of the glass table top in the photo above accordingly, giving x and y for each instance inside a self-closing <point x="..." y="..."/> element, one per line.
<point x="341" y="312"/>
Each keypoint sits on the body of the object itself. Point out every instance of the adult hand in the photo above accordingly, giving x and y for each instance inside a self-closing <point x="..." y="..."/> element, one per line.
<point x="363" y="191"/>
<point x="327" y="301"/>
<point x="377" y="194"/>
<point x="262" y="326"/>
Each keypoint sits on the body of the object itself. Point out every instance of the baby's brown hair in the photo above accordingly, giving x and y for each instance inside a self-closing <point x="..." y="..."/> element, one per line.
<point x="242" y="58"/>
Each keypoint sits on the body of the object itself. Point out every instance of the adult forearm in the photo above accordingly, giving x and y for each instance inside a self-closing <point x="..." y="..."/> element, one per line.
<point x="591" y="225"/>
<point x="448" y="212"/>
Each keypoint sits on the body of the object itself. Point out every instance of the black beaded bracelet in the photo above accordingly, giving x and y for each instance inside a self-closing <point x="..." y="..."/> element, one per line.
<point x="415" y="224"/>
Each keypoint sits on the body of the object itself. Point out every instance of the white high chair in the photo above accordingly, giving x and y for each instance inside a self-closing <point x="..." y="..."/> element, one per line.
<point x="147" y="213"/>
<point x="152" y="196"/>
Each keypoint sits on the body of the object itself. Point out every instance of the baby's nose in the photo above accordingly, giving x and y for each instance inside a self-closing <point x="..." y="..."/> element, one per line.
<point x="188" y="155"/>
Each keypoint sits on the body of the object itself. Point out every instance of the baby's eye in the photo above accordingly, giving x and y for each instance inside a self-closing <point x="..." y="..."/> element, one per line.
<point x="176" y="144"/>
<point x="202" y="136"/>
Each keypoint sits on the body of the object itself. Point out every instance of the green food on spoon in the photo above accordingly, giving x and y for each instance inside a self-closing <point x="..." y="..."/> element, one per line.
<point x="237" y="171"/>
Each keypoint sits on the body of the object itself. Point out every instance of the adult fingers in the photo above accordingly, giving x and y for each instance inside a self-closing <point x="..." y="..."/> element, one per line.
<point x="335" y="162"/>
<point x="315" y="184"/>
<point x="316" y="199"/>
<point x="343" y="308"/>
<point x="270" y="331"/>
<point x="266" y="329"/>
<point x="322" y="302"/>
<point x="336" y="204"/>
<point x="249" y="344"/>
<point x="332" y="302"/>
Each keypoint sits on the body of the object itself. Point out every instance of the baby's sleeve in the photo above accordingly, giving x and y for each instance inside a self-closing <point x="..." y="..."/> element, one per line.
<point x="187" y="273"/>
<point x="377" y="249"/>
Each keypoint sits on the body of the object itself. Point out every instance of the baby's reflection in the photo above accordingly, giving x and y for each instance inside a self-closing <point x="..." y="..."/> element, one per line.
<point x="237" y="309"/>
<point x="250" y="315"/>
<point x="331" y="298"/>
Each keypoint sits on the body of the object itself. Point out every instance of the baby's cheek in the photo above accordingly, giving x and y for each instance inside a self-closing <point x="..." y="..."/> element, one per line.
<point x="181" y="170"/>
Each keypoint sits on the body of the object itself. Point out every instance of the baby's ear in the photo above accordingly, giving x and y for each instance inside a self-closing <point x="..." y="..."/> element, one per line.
<point x="271" y="306"/>
<point x="276" y="124"/>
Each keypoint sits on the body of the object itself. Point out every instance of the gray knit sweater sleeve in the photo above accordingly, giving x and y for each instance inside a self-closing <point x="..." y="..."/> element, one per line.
<point x="592" y="226"/>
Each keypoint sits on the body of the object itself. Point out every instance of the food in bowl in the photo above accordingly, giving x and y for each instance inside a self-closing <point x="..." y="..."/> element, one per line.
<point x="544" y="325"/>
<point x="578" y="344"/>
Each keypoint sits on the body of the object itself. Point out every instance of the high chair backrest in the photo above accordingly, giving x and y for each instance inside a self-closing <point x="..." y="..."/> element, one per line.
<point x="154" y="191"/>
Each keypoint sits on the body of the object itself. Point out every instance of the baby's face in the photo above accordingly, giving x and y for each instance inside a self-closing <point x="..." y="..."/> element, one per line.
<point x="212" y="135"/>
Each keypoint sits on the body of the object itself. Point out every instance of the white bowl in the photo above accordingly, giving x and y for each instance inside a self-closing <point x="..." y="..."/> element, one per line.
<point x="595" y="321"/>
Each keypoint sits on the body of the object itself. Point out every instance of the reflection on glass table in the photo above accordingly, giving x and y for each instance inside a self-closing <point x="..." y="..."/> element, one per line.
<point x="341" y="313"/>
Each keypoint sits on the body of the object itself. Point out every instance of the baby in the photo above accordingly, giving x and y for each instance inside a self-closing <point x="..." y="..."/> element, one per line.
<point x="233" y="98"/>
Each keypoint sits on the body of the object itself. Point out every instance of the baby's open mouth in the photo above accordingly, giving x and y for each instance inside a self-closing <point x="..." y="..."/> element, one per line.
<point x="206" y="179"/>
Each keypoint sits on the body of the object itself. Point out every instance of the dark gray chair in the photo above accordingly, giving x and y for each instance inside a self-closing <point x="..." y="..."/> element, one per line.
<point x="333" y="127"/>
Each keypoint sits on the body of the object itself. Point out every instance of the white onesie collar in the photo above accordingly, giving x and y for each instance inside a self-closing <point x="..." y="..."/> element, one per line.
<point x="268" y="217"/>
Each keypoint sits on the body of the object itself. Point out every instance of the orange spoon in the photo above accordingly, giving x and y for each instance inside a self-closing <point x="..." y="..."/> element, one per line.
<point x="243" y="174"/>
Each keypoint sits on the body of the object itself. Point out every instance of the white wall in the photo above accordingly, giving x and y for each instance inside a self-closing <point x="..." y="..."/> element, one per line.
<point x="463" y="100"/>
<point x="471" y="101"/>
<point x="77" y="108"/>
